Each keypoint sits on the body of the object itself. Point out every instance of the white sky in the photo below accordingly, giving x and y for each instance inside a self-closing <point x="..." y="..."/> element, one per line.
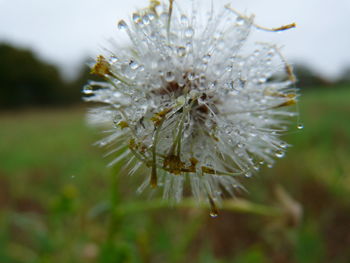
<point x="65" y="32"/>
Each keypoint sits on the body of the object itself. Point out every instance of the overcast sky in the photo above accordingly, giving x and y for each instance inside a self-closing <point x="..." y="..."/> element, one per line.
<point x="65" y="32"/>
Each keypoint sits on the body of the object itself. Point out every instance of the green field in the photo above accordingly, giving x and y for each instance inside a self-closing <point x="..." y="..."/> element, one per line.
<point x="59" y="203"/>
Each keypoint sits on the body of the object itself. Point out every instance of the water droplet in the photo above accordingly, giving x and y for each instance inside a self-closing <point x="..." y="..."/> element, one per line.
<point x="151" y="16"/>
<point x="213" y="214"/>
<point x="261" y="80"/>
<point x="189" y="32"/>
<point x="240" y="145"/>
<point x="191" y="76"/>
<point x="133" y="65"/>
<point x="206" y="58"/>
<point x="136" y="18"/>
<point x="228" y="68"/>
<point x="240" y="21"/>
<point x="212" y="85"/>
<point x="73" y="176"/>
<point x="88" y="90"/>
<point x="248" y="174"/>
<point x="269" y="165"/>
<point x="213" y="209"/>
<point x="102" y="144"/>
<point x="181" y="51"/>
<point x="184" y="19"/>
<point x="169" y="76"/>
<point x="146" y="19"/>
<point x="122" y="24"/>
<point x="279" y="154"/>
<point x="113" y="60"/>
<point x="283" y="145"/>
<point x="300" y="126"/>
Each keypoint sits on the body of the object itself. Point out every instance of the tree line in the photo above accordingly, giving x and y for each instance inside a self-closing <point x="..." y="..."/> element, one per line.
<point x="28" y="81"/>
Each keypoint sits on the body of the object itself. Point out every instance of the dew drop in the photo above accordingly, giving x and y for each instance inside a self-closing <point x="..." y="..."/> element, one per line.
<point x="136" y="18"/>
<point x="73" y="176"/>
<point x="248" y="175"/>
<point x="300" y="126"/>
<point x="181" y="51"/>
<point x="169" y="76"/>
<point x="113" y="60"/>
<point x="88" y="90"/>
<point x="206" y="58"/>
<point x="184" y="19"/>
<point x="189" y="32"/>
<point x="102" y="144"/>
<point x="146" y="19"/>
<point x="133" y="65"/>
<point x="213" y="209"/>
<point x="240" y="145"/>
<point x="279" y="154"/>
<point x="151" y="16"/>
<point x="283" y="145"/>
<point x="240" y="21"/>
<point x="261" y="80"/>
<point x="228" y="68"/>
<point x="191" y="76"/>
<point x="269" y="165"/>
<point x="122" y="24"/>
<point x="213" y="214"/>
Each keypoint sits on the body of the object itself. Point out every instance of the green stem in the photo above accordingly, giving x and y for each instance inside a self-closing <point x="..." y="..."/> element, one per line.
<point x="115" y="218"/>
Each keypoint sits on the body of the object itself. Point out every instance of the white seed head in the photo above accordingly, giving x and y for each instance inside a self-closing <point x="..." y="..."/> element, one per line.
<point x="190" y="103"/>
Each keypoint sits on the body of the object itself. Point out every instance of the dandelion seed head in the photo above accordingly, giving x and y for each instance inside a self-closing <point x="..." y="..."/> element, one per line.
<point x="189" y="103"/>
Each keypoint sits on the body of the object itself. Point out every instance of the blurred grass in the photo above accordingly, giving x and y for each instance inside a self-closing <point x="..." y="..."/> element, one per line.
<point x="55" y="197"/>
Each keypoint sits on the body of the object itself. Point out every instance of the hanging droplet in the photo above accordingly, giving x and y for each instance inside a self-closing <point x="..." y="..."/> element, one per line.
<point x="300" y="126"/>
<point x="146" y="20"/>
<point x="248" y="174"/>
<point x="169" y="76"/>
<point x="136" y="18"/>
<point x="189" y="32"/>
<point x="213" y="209"/>
<point x="283" y="145"/>
<point x="88" y="90"/>
<point x="279" y="154"/>
<point x="122" y="24"/>
<point x="151" y="16"/>
<point x="256" y="167"/>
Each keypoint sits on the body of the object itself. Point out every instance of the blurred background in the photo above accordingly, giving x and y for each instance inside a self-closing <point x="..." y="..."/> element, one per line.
<point x="59" y="202"/>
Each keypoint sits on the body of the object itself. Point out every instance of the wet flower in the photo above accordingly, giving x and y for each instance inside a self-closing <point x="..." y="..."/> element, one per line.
<point x="189" y="101"/>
